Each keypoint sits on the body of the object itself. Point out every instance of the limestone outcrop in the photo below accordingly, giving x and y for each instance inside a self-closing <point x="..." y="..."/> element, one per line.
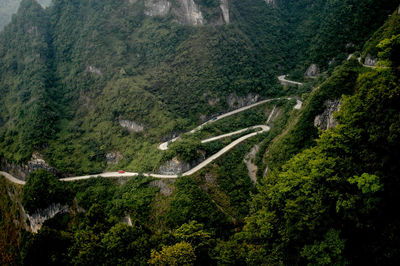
<point x="312" y="71"/>
<point x="370" y="60"/>
<point x="37" y="219"/>
<point x="157" y="7"/>
<point x="113" y="157"/>
<point x="188" y="13"/>
<point x="174" y="167"/>
<point x="326" y="120"/>
<point x="235" y="101"/>
<point x="225" y="10"/>
<point x="131" y="126"/>
<point x="22" y="171"/>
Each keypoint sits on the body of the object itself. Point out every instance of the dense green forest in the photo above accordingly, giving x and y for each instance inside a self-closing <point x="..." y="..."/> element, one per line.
<point x="10" y="7"/>
<point x="69" y="74"/>
<point x="72" y="72"/>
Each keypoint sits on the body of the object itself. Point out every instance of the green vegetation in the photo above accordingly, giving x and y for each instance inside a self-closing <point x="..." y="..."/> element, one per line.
<point x="10" y="7"/>
<point x="325" y="32"/>
<point x="189" y="147"/>
<point x="81" y="67"/>
<point x="391" y="27"/>
<point x="43" y="189"/>
<point x="10" y="232"/>
<point x="73" y="71"/>
<point x="178" y="254"/>
<point x="333" y="203"/>
<point x="189" y="203"/>
<point x="301" y="131"/>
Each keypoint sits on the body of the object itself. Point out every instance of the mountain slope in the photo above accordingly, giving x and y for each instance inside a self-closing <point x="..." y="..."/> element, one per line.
<point x="10" y="7"/>
<point x="157" y="65"/>
<point x="332" y="203"/>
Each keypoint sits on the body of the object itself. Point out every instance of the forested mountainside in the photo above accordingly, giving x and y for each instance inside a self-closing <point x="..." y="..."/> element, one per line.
<point x="74" y="74"/>
<point x="77" y="75"/>
<point x="10" y="7"/>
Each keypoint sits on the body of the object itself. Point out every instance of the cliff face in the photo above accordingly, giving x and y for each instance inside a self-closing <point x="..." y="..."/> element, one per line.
<point x="326" y="120"/>
<point x="37" y="219"/>
<point x="12" y="222"/>
<point x="157" y="7"/>
<point x="22" y="171"/>
<point x="10" y="7"/>
<point x="186" y="12"/>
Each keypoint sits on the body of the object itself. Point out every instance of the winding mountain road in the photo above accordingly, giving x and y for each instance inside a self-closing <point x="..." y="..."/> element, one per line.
<point x="12" y="179"/>
<point x="131" y="174"/>
<point x="164" y="146"/>
<point x="285" y="81"/>
<point x="231" y="134"/>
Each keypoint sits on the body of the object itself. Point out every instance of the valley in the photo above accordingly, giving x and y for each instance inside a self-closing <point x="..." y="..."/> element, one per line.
<point x="164" y="146"/>
<point x="199" y="132"/>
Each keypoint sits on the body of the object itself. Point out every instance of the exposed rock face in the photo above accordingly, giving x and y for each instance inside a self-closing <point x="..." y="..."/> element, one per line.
<point x="251" y="167"/>
<point x="37" y="162"/>
<point x="271" y="2"/>
<point x="22" y="171"/>
<point x="127" y="220"/>
<point x="37" y="219"/>
<point x="156" y="7"/>
<point x="170" y="136"/>
<point x="163" y="185"/>
<point x="312" y="71"/>
<point x="370" y="60"/>
<point x="225" y="10"/>
<point x="19" y="171"/>
<point x="213" y="101"/>
<point x="174" y="167"/>
<point x="235" y="101"/>
<point x="113" y="157"/>
<point x="326" y="120"/>
<point x="188" y="13"/>
<point x="131" y="126"/>
<point x="93" y="70"/>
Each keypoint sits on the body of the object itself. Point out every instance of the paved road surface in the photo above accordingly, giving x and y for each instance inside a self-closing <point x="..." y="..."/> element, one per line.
<point x="230" y="134"/>
<point x="283" y="80"/>
<point x="12" y="179"/>
<point x="131" y="174"/>
<point x="164" y="145"/>
<point x="224" y="150"/>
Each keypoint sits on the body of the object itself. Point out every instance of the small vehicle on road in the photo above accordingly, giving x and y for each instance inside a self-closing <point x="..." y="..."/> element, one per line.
<point x="121" y="171"/>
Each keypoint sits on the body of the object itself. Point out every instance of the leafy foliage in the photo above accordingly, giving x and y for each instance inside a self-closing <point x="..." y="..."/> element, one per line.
<point x="71" y="72"/>
<point x="340" y="189"/>
<point x="302" y="132"/>
<point x="329" y="198"/>
<point x="43" y="189"/>
<point x="178" y="254"/>
<point x="190" y="203"/>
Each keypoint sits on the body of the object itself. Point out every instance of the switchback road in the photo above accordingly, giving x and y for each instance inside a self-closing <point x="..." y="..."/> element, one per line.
<point x="164" y="146"/>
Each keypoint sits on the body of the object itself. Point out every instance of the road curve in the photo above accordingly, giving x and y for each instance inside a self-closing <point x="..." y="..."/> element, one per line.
<point x="12" y="179"/>
<point x="164" y="146"/>
<point x="231" y="134"/>
<point x="132" y="174"/>
<point x="224" y="150"/>
<point x="285" y="81"/>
